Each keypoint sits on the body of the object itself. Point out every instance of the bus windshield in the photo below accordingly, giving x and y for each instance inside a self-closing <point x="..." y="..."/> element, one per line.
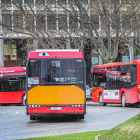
<point x="57" y="71"/>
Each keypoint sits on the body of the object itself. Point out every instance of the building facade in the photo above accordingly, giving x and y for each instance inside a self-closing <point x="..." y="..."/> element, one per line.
<point x="17" y="45"/>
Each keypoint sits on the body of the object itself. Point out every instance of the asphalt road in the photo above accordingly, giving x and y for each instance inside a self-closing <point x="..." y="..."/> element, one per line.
<point x="15" y="124"/>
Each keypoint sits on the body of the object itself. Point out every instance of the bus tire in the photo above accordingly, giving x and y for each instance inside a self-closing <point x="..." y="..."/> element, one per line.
<point x="101" y="100"/>
<point x="123" y="100"/>
<point x="32" y="117"/>
<point x="23" y="100"/>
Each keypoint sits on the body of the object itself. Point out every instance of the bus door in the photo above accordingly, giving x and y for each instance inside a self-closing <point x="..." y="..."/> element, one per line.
<point x="99" y="83"/>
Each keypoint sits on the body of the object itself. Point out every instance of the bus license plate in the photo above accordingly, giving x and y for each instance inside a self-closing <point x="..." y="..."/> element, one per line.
<point x="55" y="108"/>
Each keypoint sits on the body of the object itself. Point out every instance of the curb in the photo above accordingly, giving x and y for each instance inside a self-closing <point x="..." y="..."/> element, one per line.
<point x="96" y="137"/>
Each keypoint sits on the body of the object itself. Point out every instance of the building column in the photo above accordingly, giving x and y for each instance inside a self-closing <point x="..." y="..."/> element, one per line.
<point x="1" y="52"/>
<point x="68" y="43"/>
<point x="35" y="44"/>
<point x="131" y="51"/>
<point x="100" y="60"/>
<point x="1" y="42"/>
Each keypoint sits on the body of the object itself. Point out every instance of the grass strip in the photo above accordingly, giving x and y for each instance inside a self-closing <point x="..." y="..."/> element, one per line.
<point x="75" y="136"/>
<point x="128" y="130"/>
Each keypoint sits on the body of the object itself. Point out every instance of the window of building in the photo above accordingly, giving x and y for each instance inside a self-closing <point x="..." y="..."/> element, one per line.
<point x="61" y="2"/>
<point x="136" y="52"/>
<point x="40" y="2"/>
<point x="71" y="2"/>
<point x="40" y="21"/>
<point x="62" y="21"/>
<point x="95" y="20"/>
<point x="10" y="51"/>
<point x="115" y="21"/>
<point x="104" y="21"/>
<point x="6" y="2"/>
<point x="6" y="21"/>
<point x="29" y="22"/>
<point x="84" y="19"/>
<point x="126" y="21"/>
<point x="17" y="2"/>
<point x="73" y="23"/>
<point x="126" y="1"/>
<point x="75" y="43"/>
<point x="29" y="2"/>
<point x="18" y="20"/>
<point x="84" y="2"/>
<point x="51" y="3"/>
<point x="94" y="59"/>
<point x="126" y="55"/>
<point x="115" y="3"/>
<point x="93" y="3"/>
<point x="51" y="22"/>
<point x="136" y="21"/>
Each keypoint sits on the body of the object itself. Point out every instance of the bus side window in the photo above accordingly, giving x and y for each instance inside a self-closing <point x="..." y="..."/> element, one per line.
<point x="94" y="80"/>
<point x="133" y="75"/>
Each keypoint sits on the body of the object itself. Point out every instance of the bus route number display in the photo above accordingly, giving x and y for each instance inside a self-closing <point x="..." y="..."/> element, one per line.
<point x="34" y="80"/>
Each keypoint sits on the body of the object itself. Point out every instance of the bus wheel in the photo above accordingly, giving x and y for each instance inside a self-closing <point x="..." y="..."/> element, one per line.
<point x="101" y="100"/>
<point x="123" y="100"/>
<point x="24" y="100"/>
<point x="32" y="117"/>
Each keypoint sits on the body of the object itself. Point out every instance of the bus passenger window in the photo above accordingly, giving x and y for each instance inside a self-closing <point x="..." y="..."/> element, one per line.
<point x="94" y="80"/>
<point x="113" y="81"/>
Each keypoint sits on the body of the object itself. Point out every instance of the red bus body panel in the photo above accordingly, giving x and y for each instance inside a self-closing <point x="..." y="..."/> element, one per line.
<point x="6" y="70"/>
<point x="65" y="109"/>
<point x="11" y="97"/>
<point x="14" y="96"/>
<point x="132" y="96"/>
<point x="95" y="93"/>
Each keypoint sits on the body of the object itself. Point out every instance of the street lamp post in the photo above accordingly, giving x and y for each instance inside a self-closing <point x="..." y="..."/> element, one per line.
<point x="1" y="51"/>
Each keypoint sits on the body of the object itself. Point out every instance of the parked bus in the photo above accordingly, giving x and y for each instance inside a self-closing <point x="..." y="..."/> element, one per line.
<point x="12" y="85"/>
<point x="117" y="83"/>
<point x="56" y="83"/>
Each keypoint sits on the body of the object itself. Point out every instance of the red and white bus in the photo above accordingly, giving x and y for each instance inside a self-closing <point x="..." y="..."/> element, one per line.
<point x="12" y="85"/>
<point x="116" y="83"/>
<point x="56" y="83"/>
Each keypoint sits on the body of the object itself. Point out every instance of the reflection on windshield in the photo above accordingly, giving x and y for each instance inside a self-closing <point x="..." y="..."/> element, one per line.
<point x="61" y="71"/>
<point x="56" y="71"/>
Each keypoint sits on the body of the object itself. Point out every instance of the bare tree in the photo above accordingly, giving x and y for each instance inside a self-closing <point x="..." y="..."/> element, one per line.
<point x="106" y="24"/>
